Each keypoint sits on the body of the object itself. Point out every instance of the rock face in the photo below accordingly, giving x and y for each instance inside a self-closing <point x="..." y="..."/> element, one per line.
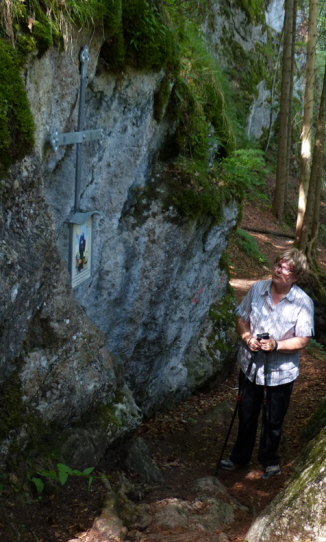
<point x="154" y="275"/>
<point x="135" y="325"/>
<point x="54" y="365"/>
<point x="297" y="512"/>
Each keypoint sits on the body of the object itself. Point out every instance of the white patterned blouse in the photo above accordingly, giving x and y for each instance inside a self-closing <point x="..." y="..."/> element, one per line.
<point x="293" y="316"/>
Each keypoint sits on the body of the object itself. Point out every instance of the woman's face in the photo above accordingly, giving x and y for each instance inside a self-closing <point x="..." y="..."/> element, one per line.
<point x="282" y="274"/>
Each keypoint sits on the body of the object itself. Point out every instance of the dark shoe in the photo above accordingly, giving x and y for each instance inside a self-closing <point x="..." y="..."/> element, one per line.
<point x="227" y="464"/>
<point x="272" y="470"/>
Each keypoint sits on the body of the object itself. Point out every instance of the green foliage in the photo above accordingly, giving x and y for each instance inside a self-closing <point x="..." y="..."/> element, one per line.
<point x="61" y="476"/>
<point x="245" y="70"/>
<point x="254" y="10"/>
<point x="148" y="40"/>
<point x="113" y="52"/>
<point x="192" y="130"/>
<point x="202" y="100"/>
<point x="140" y="36"/>
<point x="193" y="190"/>
<point x="188" y="10"/>
<point x="38" y="484"/>
<point x="246" y="242"/>
<point x="201" y="103"/>
<point x="16" y="121"/>
<point x="197" y="188"/>
<point x="315" y="347"/>
<point x="246" y="168"/>
<point x="32" y="25"/>
<point x="44" y="32"/>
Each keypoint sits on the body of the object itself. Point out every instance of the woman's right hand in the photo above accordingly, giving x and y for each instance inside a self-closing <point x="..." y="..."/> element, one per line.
<point x="253" y="344"/>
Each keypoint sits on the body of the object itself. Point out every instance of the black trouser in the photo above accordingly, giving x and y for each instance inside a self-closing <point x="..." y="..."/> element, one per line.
<point x="278" y="400"/>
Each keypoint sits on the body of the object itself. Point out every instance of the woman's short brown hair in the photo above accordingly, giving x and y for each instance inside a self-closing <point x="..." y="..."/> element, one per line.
<point x="296" y="259"/>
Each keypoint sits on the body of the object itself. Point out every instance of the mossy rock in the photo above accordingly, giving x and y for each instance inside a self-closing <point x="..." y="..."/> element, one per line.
<point x="16" y="120"/>
<point x="161" y="98"/>
<point x="139" y="37"/>
<point x="254" y="10"/>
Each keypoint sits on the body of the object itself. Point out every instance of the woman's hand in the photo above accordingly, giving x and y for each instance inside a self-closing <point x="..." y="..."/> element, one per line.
<point x="268" y="345"/>
<point x="253" y="344"/>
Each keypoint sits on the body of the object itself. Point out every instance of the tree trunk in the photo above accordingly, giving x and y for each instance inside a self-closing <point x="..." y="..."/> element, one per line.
<point x="316" y="172"/>
<point x="315" y="219"/>
<point x="288" y="155"/>
<point x="307" y="117"/>
<point x="311" y="248"/>
<point x="281" y="170"/>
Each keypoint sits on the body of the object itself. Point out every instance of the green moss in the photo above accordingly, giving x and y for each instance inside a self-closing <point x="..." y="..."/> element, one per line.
<point x="16" y="121"/>
<point x="138" y="36"/>
<point x="106" y="414"/>
<point x="40" y="439"/>
<point x="202" y="100"/>
<point x="245" y="70"/>
<point x="254" y="10"/>
<point x="191" y="190"/>
<point x="199" y="105"/>
<point x="308" y="468"/>
<point x="149" y="42"/>
<point x="113" y="52"/>
<point x="161" y="98"/>
<point x="198" y="188"/>
<point x="25" y="45"/>
<point x="44" y="32"/>
<point x="223" y="346"/>
<point x="192" y="132"/>
<point x="223" y="313"/>
<point x="35" y="26"/>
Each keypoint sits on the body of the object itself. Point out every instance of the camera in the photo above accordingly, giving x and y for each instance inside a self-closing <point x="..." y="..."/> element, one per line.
<point x="262" y="336"/>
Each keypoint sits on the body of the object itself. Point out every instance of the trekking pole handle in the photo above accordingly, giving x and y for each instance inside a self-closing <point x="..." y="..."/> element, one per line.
<point x="262" y="336"/>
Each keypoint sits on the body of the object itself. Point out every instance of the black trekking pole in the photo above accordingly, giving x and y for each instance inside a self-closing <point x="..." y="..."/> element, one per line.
<point x="265" y="400"/>
<point x="230" y="427"/>
<point x="260" y="336"/>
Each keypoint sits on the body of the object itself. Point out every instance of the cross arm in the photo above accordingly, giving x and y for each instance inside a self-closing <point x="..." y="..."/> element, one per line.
<point x="75" y="137"/>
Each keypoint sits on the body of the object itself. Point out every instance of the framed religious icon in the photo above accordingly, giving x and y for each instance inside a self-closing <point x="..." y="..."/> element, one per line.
<point x="80" y="247"/>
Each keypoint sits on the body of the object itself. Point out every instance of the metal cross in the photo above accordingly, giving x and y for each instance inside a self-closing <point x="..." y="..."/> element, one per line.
<point x="80" y="224"/>
<point x="80" y="136"/>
